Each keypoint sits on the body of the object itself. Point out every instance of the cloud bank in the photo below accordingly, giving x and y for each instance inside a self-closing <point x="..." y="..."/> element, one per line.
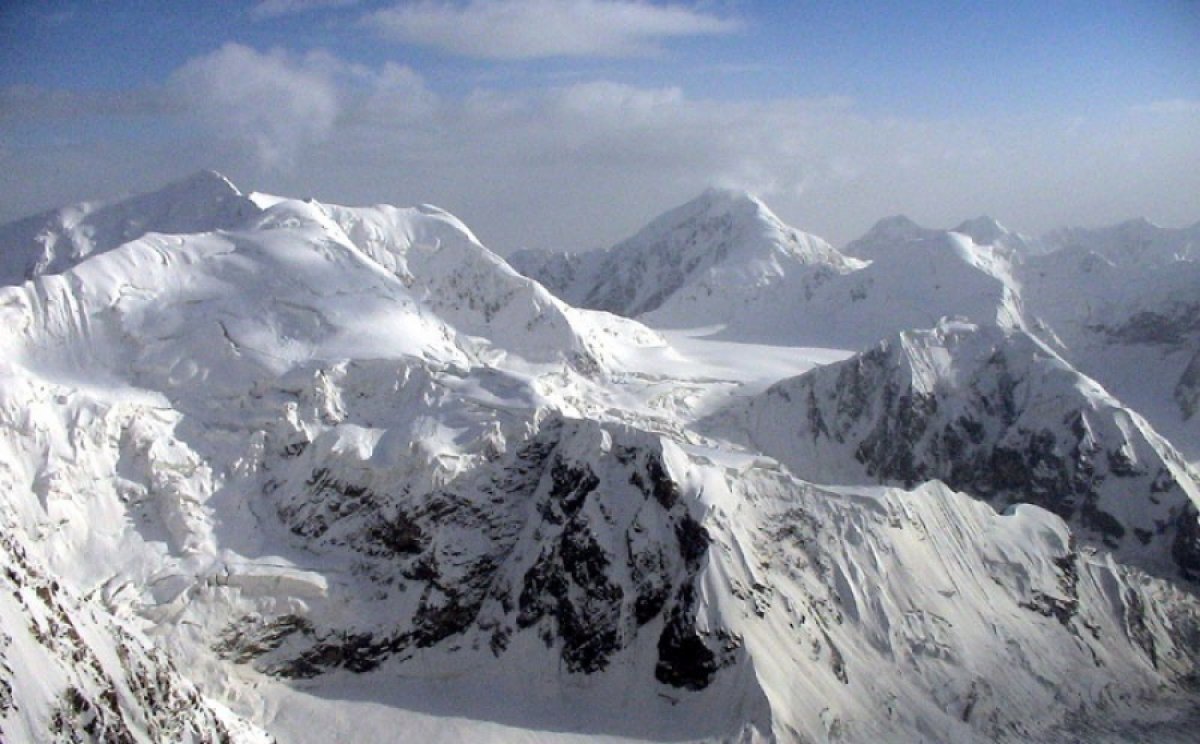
<point x="531" y="29"/>
<point x="583" y="165"/>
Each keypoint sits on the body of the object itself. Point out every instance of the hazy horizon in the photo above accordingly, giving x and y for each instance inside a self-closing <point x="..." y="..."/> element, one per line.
<point x="570" y="124"/>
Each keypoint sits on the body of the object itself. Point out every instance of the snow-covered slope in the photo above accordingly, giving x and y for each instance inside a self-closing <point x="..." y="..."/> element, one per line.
<point x="725" y="259"/>
<point x="51" y="243"/>
<point x="705" y="259"/>
<point x="893" y="233"/>
<point x="335" y="473"/>
<point x="70" y="671"/>
<point x="993" y="413"/>
<point x="1132" y="242"/>
<point x="912" y="286"/>
<point x="1123" y="305"/>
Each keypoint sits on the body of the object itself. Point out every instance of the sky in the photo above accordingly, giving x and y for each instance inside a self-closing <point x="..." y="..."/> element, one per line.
<point x="568" y="124"/>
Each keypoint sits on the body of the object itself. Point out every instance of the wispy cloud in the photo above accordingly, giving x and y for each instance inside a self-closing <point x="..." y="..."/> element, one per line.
<point x="584" y="163"/>
<point x="532" y="29"/>
<point x="271" y="101"/>
<point x="1169" y="106"/>
<point x="275" y="104"/>
<point x="276" y="8"/>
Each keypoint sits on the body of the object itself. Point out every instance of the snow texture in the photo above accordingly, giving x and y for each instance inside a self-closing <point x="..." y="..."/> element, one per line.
<point x="277" y="469"/>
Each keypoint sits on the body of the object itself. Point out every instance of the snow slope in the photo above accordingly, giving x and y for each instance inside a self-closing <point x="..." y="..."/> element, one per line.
<point x="705" y="259"/>
<point x="329" y="473"/>
<point x="1122" y="304"/>
<point x="929" y="278"/>
<point x="52" y="242"/>
<point x="993" y="413"/>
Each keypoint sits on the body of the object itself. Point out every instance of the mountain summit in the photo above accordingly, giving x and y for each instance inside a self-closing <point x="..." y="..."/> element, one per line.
<point x="54" y="241"/>
<point x="704" y="259"/>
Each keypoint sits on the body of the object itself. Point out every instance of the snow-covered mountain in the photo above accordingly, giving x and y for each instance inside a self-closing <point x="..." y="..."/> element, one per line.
<point x="705" y="259"/>
<point x="1123" y="305"/>
<point x="276" y="468"/>
<point x="992" y="413"/>
<point x="52" y="242"/>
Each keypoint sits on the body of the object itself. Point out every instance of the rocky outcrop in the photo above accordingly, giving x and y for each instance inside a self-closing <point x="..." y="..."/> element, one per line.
<point x="581" y="536"/>
<point x="70" y="671"/>
<point x="992" y="413"/>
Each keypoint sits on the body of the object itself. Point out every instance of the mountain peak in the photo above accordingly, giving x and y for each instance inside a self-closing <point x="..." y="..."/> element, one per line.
<point x="728" y="195"/>
<point x="885" y="235"/>
<point x="52" y="242"/>
<point x="897" y="223"/>
<point x="204" y="180"/>
<point x="983" y="230"/>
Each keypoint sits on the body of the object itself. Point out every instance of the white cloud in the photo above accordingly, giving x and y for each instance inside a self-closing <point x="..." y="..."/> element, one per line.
<point x="277" y="104"/>
<point x="270" y="102"/>
<point x="274" y="8"/>
<point x="584" y="165"/>
<point x="531" y="29"/>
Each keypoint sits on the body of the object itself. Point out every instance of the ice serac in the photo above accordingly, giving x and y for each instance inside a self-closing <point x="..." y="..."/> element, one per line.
<point x="705" y="259"/>
<point x="994" y="413"/>
<point x="52" y="242"/>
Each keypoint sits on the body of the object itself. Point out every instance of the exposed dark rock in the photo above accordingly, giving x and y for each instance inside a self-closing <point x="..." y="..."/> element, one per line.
<point x="592" y="583"/>
<point x="1185" y="548"/>
<point x="1187" y="390"/>
<point x="253" y="635"/>
<point x="887" y="408"/>
<point x="687" y="657"/>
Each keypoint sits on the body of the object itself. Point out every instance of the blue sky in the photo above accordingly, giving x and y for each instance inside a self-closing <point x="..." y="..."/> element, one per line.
<point x="836" y="112"/>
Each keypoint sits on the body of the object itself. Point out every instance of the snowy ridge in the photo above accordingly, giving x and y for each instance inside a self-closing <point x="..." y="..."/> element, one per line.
<point x="1136" y="241"/>
<point x="946" y="274"/>
<point x="330" y="473"/>
<point x="887" y="235"/>
<point x="1110" y="300"/>
<point x="51" y="243"/>
<point x="996" y="414"/>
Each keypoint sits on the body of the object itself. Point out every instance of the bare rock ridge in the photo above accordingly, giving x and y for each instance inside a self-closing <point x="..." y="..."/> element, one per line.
<point x="992" y="413"/>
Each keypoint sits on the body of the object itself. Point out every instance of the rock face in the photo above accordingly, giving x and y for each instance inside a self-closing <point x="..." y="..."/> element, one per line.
<point x="580" y="536"/>
<point x="993" y="413"/>
<point x="1187" y="390"/>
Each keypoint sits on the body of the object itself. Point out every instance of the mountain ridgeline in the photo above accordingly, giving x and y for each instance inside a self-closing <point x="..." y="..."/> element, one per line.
<point x="276" y="469"/>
